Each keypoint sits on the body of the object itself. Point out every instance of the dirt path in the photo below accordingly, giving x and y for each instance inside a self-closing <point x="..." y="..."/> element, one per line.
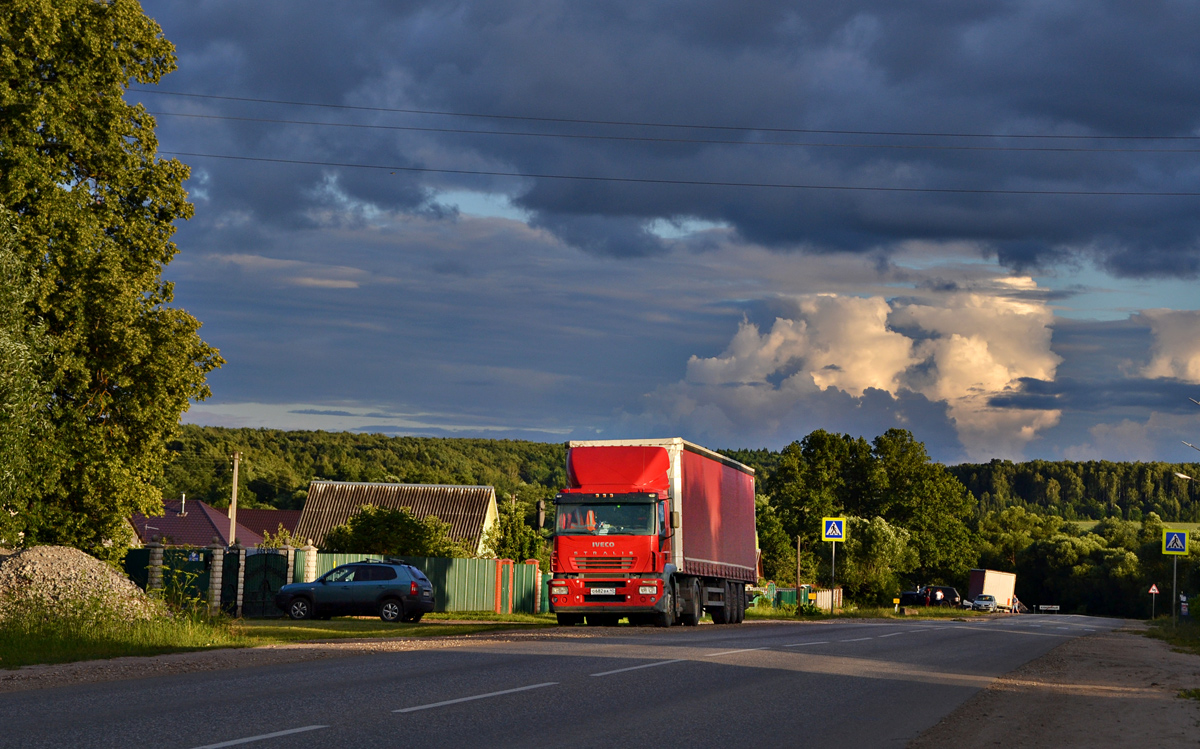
<point x="1116" y="689"/>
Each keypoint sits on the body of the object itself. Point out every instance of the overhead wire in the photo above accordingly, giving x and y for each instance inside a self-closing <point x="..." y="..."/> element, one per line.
<point x="635" y="123"/>
<point x="687" y="182"/>
<point x="656" y="139"/>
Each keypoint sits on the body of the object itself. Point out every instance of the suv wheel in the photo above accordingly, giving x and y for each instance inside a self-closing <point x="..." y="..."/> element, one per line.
<point x="300" y="608"/>
<point x="391" y="611"/>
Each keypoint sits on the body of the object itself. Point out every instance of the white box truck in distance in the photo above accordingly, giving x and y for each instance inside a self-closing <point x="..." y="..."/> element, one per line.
<point x="1001" y="585"/>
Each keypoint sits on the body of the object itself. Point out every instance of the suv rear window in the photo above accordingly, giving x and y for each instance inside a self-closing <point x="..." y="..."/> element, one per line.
<point x="418" y="574"/>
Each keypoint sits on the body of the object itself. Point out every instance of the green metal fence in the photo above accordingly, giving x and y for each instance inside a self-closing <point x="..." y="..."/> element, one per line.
<point x="458" y="584"/>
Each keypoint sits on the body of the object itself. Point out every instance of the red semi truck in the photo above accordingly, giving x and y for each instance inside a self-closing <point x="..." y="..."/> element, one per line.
<point x="656" y="530"/>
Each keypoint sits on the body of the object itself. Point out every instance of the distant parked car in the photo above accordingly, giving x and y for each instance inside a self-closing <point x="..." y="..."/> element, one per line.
<point x="931" y="595"/>
<point x="984" y="602"/>
<point x="393" y="592"/>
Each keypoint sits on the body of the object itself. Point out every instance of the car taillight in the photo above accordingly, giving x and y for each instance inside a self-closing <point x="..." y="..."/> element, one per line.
<point x="412" y="589"/>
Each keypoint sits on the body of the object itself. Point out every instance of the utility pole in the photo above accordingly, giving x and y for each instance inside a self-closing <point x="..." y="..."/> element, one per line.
<point x="233" y="499"/>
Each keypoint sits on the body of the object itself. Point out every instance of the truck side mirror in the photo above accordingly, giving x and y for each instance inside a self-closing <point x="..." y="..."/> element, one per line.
<point x="675" y="519"/>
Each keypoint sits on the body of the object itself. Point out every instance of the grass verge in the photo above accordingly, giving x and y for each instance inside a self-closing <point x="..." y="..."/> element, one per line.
<point x="36" y="632"/>
<point x="1185" y="637"/>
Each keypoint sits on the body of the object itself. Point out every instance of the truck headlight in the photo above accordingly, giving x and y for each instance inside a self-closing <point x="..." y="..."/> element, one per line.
<point x="559" y="591"/>
<point x="647" y="590"/>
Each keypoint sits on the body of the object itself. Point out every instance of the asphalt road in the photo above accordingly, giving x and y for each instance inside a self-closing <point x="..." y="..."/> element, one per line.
<point x="835" y="684"/>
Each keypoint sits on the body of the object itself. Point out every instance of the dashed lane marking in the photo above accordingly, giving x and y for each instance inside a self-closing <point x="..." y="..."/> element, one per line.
<point x="731" y="652"/>
<point x="801" y="644"/>
<point x="468" y="699"/>
<point x="261" y="737"/>
<point x="635" y="668"/>
<point x="857" y="639"/>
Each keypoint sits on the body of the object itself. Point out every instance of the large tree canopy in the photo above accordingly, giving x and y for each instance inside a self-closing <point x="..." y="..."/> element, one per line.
<point x="94" y="211"/>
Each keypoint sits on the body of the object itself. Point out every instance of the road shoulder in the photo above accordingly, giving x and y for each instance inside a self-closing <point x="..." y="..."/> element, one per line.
<point x="1110" y="689"/>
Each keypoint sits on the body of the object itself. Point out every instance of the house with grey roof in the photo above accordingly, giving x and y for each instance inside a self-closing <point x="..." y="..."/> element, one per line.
<point x="470" y="511"/>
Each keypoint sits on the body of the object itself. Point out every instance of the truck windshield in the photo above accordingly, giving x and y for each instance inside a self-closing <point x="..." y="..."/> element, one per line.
<point x="604" y="519"/>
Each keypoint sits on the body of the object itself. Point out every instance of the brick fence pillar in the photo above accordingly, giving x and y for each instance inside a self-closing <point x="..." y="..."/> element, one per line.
<point x="154" y="569"/>
<point x="310" y="562"/>
<point x="291" y="565"/>
<point x="216" y="575"/>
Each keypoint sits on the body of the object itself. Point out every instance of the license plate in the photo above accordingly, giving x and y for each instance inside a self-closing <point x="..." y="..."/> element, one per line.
<point x="603" y="591"/>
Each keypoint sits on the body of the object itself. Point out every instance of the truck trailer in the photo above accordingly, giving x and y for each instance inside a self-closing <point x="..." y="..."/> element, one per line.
<point x="657" y="530"/>
<point x="1001" y="585"/>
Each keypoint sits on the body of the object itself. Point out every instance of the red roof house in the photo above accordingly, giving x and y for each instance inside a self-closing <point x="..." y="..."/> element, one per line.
<point x="197" y="525"/>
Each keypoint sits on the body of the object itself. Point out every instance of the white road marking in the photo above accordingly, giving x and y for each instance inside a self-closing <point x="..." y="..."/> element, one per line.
<point x="261" y="737"/>
<point x="468" y="699"/>
<point x="730" y="652"/>
<point x="801" y="644"/>
<point x="857" y="639"/>
<point x="635" y="668"/>
<point x="893" y="634"/>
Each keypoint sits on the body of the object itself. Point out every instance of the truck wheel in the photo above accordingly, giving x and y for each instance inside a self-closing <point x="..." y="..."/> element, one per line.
<point x="692" y="610"/>
<point x="667" y="617"/>
<point x="569" y="620"/>
<point x="739" y="597"/>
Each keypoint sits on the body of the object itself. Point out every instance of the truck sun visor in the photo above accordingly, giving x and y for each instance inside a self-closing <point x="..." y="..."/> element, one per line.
<point x="619" y="469"/>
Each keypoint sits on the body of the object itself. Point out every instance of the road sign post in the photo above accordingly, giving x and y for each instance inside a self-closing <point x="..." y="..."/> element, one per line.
<point x="1153" y="599"/>
<point x="833" y="530"/>
<point x="1174" y="543"/>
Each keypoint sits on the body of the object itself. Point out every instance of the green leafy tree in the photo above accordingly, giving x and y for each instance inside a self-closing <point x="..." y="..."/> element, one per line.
<point x="876" y="557"/>
<point x="513" y="538"/>
<point x="95" y="211"/>
<point x="777" y="547"/>
<point x="22" y="393"/>
<point x="924" y="499"/>
<point x="381" y="530"/>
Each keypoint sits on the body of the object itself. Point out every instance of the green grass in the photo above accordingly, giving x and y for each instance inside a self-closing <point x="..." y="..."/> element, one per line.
<point x="1185" y="637"/>
<point x="37" y="633"/>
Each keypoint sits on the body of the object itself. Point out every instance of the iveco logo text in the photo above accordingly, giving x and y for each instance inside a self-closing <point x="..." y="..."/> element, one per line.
<point x="603" y="543"/>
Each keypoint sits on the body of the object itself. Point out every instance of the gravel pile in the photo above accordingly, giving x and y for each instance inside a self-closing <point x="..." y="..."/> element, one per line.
<point x="65" y="577"/>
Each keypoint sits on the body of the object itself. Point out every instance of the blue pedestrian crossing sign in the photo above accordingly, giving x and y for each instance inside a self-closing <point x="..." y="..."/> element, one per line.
<point x="833" y="529"/>
<point x="1175" y="542"/>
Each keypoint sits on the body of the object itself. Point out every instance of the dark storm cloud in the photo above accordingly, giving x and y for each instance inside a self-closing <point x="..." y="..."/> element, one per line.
<point x="1113" y="396"/>
<point x="1100" y="68"/>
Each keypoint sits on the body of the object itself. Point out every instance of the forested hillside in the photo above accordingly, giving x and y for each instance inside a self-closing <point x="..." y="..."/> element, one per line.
<point x="1092" y="490"/>
<point x="276" y="466"/>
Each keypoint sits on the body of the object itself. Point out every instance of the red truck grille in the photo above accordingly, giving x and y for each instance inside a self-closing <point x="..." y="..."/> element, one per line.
<point x="604" y="563"/>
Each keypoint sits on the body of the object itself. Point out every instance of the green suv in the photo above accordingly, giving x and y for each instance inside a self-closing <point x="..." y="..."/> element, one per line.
<point x="393" y="591"/>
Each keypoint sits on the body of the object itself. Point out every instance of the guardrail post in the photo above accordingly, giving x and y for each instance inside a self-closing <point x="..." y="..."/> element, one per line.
<point x="154" y="568"/>
<point x="216" y="576"/>
<point x="310" y="562"/>
<point x="239" y="551"/>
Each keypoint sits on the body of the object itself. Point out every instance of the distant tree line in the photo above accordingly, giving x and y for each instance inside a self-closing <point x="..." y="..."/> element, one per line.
<point x="1092" y="490"/>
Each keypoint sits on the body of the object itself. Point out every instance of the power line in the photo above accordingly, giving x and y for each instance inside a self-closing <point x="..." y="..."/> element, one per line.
<point x="688" y="126"/>
<point x="702" y="141"/>
<point x="689" y="182"/>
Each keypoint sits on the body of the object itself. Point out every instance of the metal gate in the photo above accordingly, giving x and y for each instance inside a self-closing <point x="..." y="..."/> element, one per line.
<point x="266" y="573"/>
<point x="229" y="583"/>
<point x="185" y="577"/>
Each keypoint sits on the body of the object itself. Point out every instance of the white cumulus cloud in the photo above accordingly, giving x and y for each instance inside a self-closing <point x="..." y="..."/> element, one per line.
<point x="958" y="348"/>
<point x="1176" y="349"/>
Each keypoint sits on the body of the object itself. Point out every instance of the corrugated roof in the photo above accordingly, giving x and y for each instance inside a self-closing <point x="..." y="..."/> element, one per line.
<point x="197" y="528"/>
<point x="469" y="510"/>
<point x="263" y="522"/>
